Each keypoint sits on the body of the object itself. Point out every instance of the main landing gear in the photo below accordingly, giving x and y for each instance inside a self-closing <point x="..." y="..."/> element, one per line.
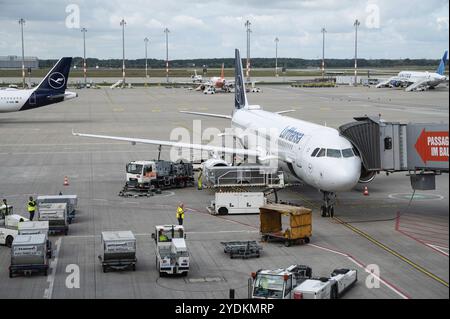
<point x="329" y="199"/>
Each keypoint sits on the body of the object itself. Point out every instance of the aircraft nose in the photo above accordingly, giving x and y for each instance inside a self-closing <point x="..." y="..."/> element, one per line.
<point x="342" y="177"/>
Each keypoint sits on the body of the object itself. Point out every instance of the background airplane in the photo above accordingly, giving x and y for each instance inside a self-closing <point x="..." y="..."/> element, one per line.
<point x="52" y="89"/>
<point x="416" y="81"/>
<point x="314" y="154"/>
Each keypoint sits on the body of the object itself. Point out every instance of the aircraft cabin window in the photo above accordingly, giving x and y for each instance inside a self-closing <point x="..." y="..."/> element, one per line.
<point x="314" y="153"/>
<point x="333" y="153"/>
<point x="321" y="152"/>
<point x="348" y="152"/>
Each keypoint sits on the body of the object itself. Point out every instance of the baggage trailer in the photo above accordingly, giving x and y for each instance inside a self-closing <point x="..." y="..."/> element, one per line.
<point x="35" y="228"/>
<point x="341" y="281"/>
<point x="70" y="200"/>
<point x="242" y="249"/>
<point x="29" y="255"/>
<point x="300" y="224"/>
<point x="172" y="256"/>
<point x="56" y="215"/>
<point x="119" y="250"/>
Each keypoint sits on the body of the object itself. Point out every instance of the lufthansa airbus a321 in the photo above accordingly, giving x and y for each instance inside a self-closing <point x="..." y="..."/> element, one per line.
<point x="313" y="154"/>
<point x="52" y="89"/>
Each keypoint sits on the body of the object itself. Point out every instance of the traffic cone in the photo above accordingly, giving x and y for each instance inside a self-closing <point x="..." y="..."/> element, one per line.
<point x="366" y="191"/>
<point x="66" y="181"/>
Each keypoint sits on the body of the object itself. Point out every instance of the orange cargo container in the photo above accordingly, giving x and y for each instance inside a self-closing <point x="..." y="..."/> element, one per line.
<point x="300" y="224"/>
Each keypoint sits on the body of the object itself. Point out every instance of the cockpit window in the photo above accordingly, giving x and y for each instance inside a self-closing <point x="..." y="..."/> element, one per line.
<point x="314" y="153"/>
<point x="321" y="152"/>
<point x="333" y="153"/>
<point x="348" y="152"/>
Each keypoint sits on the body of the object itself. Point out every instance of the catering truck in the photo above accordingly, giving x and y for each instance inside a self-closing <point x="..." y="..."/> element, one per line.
<point x="158" y="174"/>
<point x="172" y="256"/>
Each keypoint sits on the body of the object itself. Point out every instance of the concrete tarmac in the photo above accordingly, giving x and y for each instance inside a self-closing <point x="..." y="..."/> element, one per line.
<point x="407" y="243"/>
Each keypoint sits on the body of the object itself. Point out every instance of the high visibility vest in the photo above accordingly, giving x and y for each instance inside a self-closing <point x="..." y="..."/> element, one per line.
<point x="163" y="238"/>
<point x="31" y="206"/>
<point x="180" y="213"/>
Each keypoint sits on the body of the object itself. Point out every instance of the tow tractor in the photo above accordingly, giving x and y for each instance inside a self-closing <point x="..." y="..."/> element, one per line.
<point x="334" y="287"/>
<point x="9" y="225"/>
<point x="172" y="256"/>
<point x="278" y="283"/>
<point x="148" y="176"/>
<point x="295" y="282"/>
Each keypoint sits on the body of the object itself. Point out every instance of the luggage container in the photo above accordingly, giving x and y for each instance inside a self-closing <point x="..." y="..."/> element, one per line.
<point x="300" y="224"/>
<point x="35" y="228"/>
<point x="70" y="200"/>
<point x="29" y="255"/>
<point x="119" y="250"/>
<point x="56" y="215"/>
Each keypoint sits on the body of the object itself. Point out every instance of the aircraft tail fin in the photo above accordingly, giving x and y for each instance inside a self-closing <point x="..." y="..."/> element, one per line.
<point x="240" y="96"/>
<point x="222" y="72"/>
<point x="57" y="78"/>
<point x="441" y="68"/>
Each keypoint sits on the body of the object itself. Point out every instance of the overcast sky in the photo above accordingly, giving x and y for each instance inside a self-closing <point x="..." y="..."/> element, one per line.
<point x="212" y="29"/>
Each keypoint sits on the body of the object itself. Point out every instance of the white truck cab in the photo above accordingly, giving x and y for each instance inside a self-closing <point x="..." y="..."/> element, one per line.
<point x="141" y="173"/>
<point x="9" y="225"/>
<point x="278" y="283"/>
<point x="172" y="255"/>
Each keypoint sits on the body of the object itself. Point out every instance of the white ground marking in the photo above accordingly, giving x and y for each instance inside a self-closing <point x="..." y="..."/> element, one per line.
<point x="51" y="277"/>
<point x="364" y="268"/>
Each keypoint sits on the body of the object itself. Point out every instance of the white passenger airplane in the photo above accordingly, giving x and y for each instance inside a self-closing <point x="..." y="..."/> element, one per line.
<point x="313" y="154"/>
<point x="415" y="81"/>
<point x="52" y="89"/>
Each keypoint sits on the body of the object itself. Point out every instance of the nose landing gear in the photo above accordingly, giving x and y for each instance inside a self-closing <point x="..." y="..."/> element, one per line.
<point x="329" y="199"/>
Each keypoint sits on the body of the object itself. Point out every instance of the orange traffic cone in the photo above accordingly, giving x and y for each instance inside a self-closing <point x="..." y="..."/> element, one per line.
<point x="66" y="181"/>
<point x="366" y="191"/>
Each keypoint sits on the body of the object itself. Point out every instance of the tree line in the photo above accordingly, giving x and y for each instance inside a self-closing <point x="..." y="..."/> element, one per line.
<point x="289" y="63"/>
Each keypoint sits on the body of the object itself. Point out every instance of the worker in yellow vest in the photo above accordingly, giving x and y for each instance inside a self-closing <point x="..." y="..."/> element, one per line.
<point x="31" y="207"/>
<point x="200" y="181"/>
<point x="180" y="214"/>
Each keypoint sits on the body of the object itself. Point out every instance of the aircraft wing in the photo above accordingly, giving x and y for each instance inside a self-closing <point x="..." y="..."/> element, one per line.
<point x="200" y="147"/>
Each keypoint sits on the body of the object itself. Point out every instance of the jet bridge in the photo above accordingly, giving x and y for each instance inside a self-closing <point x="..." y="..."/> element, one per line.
<point x="421" y="149"/>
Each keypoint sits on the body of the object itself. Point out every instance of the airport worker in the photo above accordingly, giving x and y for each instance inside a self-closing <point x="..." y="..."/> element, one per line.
<point x="5" y="202"/>
<point x="162" y="236"/>
<point x="200" y="181"/>
<point x="31" y="207"/>
<point x="180" y="214"/>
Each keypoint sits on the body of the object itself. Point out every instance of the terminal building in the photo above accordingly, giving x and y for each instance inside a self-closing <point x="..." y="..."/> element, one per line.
<point x="15" y="62"/>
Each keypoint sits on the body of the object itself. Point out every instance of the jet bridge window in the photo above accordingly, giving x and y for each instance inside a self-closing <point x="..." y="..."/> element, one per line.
<point x="314" y="153"/>
<point x="334" y="153"/>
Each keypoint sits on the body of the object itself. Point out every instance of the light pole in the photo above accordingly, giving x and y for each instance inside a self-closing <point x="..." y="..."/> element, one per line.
<point x="123" y="23"/>
<point x="356" y="25"/>
<point x="84" y="30"/>
<point x="276" y="55"/>
<point x="22" y="22"/>
<point x="146" y="40"/>
<point x="323" y="51"/>
<point x="247" y="25"/>
<point x="166" y="31"/>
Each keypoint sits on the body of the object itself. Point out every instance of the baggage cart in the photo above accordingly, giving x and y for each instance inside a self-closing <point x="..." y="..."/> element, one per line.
<point x="56" y="215"/>
<point x="34" y="228"/>
<point x="28" y="255"/>
<point x="119" y="250"/>
<point x="70" y="200"/>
